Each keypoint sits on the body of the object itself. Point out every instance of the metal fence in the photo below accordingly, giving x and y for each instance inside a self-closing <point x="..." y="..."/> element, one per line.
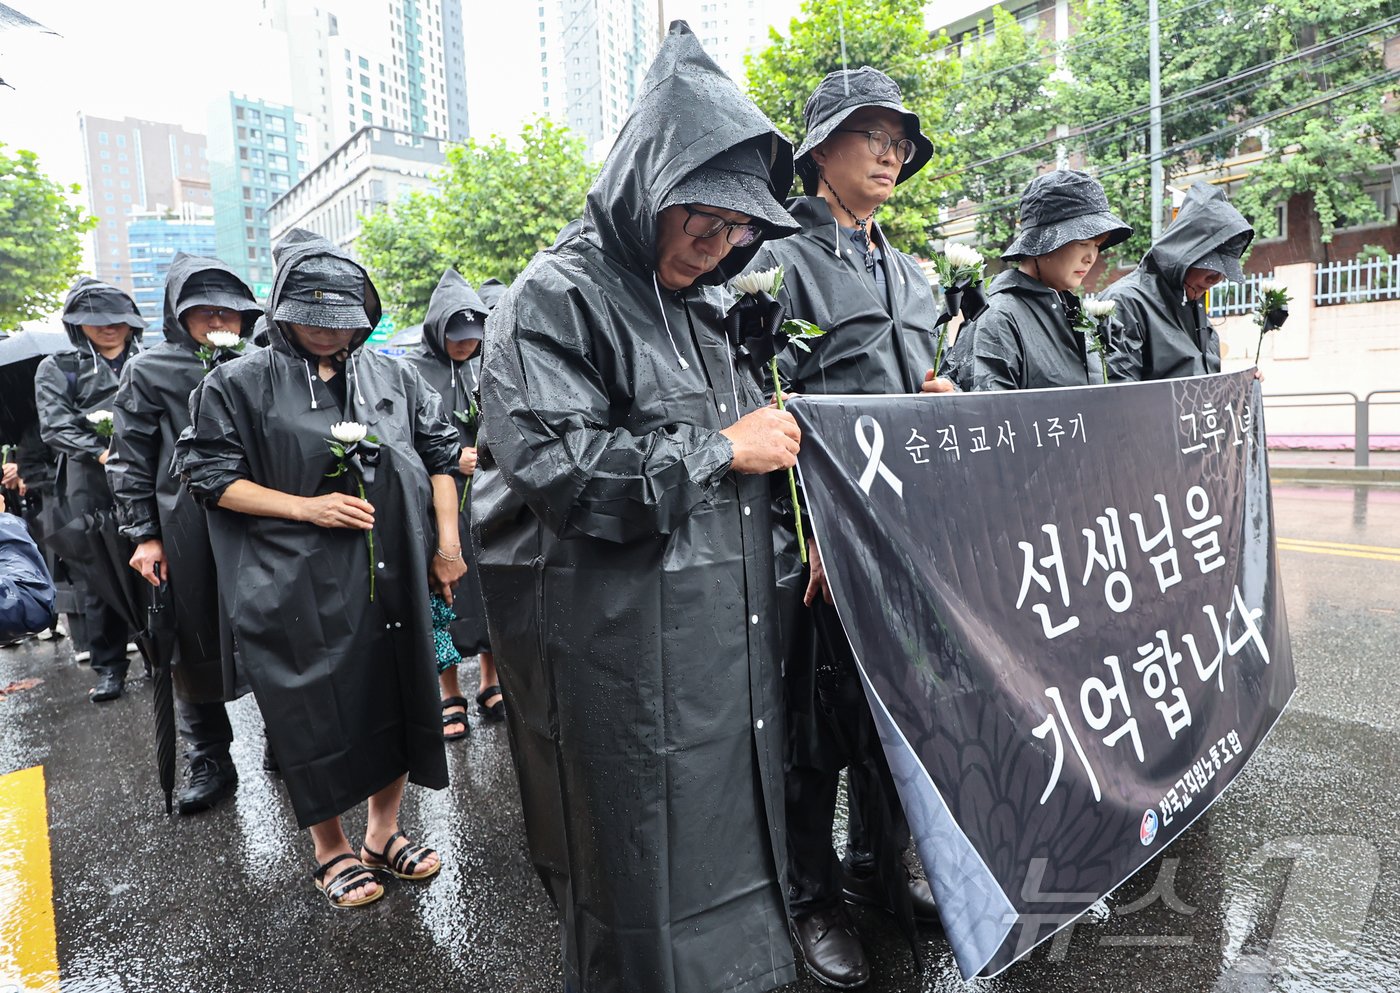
<point x="1230" y="299"/>
<point x="1342" y="398"/>
<point x="1357" y="281"/>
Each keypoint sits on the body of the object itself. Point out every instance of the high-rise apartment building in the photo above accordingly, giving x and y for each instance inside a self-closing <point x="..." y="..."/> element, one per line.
<point x="155" y="238"/>
<point x="731" y="29"/>
<point x="398" y="64"/>
<point x="257" y="152"/>
<point x="593" y="56"/>
<point x="136" y="166"/>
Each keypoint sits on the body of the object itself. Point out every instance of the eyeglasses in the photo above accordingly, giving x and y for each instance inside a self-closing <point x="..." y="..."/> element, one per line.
<point x="880" y="142"/>
<point x="211" y="313"/>
<point x="702" y="224"/>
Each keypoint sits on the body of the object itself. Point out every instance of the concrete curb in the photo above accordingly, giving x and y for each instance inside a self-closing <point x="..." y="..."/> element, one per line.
<point x="1354" y="475"/>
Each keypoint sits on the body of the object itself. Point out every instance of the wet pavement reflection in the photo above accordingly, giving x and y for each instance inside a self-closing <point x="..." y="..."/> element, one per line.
<point x="1289" y="883"/>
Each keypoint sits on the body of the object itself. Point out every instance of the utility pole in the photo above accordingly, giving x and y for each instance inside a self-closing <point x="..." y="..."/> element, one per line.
<point x="1154" y="76"/>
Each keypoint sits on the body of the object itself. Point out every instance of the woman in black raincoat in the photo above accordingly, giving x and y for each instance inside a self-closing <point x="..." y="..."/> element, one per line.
<point x="626" y="555"/>
<point x="1028" y="338"/>
<point x="1161" y="303"/>
<point x="448" y="360"/>
<point x="202" y="296"/>
<point x="334" y="642"/>
<point x="72" y="391"/>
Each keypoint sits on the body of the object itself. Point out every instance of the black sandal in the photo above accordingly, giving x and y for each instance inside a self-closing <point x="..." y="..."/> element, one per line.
<point x="344" y="881"/>
<point x="405" y="861"/>
<point x="497" y="710"/>
<point x="457" y="718"/>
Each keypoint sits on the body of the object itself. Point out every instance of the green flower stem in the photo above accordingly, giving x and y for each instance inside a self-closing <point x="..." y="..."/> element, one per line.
<point x="792" y="478"/>
<point x="465" y="491"/>
<point x="1103" y="360"/>
<point x="1259" y="348"/>
<point x="938" y="355"/>
<point x="369" y="540"/>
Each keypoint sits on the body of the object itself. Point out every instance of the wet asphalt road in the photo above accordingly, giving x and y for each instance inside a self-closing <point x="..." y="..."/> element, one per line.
<point x="1289" y="883"/>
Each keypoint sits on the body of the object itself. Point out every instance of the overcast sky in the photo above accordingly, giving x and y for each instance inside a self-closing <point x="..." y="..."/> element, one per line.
<point x="165" y="60"/>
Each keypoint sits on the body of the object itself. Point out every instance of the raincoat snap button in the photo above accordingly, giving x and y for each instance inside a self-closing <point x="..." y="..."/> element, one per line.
<point x="759" y="724"/>
<point x="746" y="511"/>
<point x="722" y="408"/>
<point x="398" y="624"/>
<point x="753" y="619"/>
<point x="381" y="565"/>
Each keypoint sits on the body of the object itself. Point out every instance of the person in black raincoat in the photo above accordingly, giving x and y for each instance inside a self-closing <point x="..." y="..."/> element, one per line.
<point x="621" y="517"/>
<point x="70" y="390"/>
<point x="449" y="361"/>
<point x="1160" y="303"/>
<point x="880" y="318"/>
<point x="336" y="643"/>
<point x="202" y="297"/>
<point x="1027" y="338"/>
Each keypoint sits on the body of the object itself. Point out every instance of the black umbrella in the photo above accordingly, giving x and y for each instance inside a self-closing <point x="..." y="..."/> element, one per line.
<point x="160" y="635"/>
<point x="20" y="355"/>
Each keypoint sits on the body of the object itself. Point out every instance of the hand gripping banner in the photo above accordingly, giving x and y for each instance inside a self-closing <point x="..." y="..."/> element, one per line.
<point x="1068" y="618"/>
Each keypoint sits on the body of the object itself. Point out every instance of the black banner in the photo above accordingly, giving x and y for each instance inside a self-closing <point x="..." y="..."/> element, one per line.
<point x="1068" y="617"/>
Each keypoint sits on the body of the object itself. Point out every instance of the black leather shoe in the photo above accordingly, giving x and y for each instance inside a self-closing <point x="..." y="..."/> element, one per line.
<point x="866" y="891"/>
<point x="109" y="686"/>
<point x="831" y="949"/>
<point x="210" y="781"/>
<point x="270" y="760"/>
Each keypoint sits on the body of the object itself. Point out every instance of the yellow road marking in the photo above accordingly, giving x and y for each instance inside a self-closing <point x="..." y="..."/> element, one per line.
<point x="28" y="945"/>
<point x="1289" y="546"/>
<point x="1383" y="549"/>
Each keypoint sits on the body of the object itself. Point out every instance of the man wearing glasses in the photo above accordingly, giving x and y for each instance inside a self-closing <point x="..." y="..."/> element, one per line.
<point x="621" y="494"/>
<point x="879" y="315"/>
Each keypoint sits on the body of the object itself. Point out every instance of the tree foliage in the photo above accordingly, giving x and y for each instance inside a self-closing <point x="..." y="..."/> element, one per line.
<point x="497" y="203"/>
<point x="886" y="34"/>
<point x="40" y="240"/>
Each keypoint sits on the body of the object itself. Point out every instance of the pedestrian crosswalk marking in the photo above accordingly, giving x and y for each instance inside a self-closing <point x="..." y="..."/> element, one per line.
<point x="1380" y="553"/>
<point x="28" y="946"/>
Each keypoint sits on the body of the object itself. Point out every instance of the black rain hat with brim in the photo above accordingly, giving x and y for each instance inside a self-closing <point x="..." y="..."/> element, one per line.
<point x="736" y="180"/>
<point x="1060" y="207"/>
<point x="1225" y="258"/>
<point x="324" y="291"/>
<point x="840" y="95"/>
<point x="100" y="305"/>
<point x="465" y="326"/>
<point x="215" y="288"/>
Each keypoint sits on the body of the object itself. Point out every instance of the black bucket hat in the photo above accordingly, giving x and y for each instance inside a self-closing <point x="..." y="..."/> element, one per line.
<point x="737" y="180"/>
<point x="101" y="304"/>
<point x="1063" y="206"/>
<point x="840" y="95"/>
<point x="216" y="288"/>
<point x="324" y="291"/>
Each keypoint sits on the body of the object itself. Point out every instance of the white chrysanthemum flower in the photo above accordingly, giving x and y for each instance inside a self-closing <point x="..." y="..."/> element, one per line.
<point x="961" y="256"/>
<point x="99" y="417"/>
<point x="348" y="432"/>
<point x="1272" y="286"/>
<point x="930" y="271"/>
<point x="759" y="281"/>
<point x="1097" y="308"/>
<point x="224" y="339"/>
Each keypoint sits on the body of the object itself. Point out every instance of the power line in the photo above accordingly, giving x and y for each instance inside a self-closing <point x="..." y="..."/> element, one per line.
<point x="1224" y="80"/>
<point x="1241" y="126"/>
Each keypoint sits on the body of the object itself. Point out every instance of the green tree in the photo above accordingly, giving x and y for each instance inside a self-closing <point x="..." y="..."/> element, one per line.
<point x="1213" y="88"/>
<point x="1002" y="101"/>
<point x="497" y="203"/>
<point x="400" y="248"/>
<point x="502" y="204"/>
<point x="40" y="239"/>
<point x="890" y="36"/>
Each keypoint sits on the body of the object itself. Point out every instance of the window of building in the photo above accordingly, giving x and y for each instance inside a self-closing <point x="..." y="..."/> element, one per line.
<point x="365" y="98"/>
<point x="105" y="154"/>
<point x="121" y="141"/>
<point x="252" y="255"/>
<point x="247" y="193"/>
<point x="277" y="124"/>
<point x="102" y="137"/>
<point x="364" y="62"/>
<point x="247" y="213"/>
<point x="367" y="117"/>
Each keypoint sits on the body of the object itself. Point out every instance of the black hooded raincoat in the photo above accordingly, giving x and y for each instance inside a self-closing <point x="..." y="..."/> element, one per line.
<point x="152" y="409"/>
<point x="68" y="387"/>
<point x="1167" y="336"/>
<point x="1024" y="340"/>
<point x="346" y="684"/>
<point x="456" y="383"/>
<point x="628" y="576"/>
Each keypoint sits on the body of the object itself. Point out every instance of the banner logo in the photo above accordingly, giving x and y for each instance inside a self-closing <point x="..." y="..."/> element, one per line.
<point x="1148" y="831"/>
<point x="873" y="448"/>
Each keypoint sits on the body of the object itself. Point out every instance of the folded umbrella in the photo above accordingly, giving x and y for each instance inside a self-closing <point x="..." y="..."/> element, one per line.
<point x="160" y="635"/>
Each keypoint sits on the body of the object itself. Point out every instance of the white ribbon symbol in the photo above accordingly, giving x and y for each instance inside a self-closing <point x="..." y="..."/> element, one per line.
<point x="873" y="448"/>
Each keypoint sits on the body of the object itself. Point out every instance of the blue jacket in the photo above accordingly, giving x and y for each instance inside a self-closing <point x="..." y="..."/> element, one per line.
<point x="26" y="589"/>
